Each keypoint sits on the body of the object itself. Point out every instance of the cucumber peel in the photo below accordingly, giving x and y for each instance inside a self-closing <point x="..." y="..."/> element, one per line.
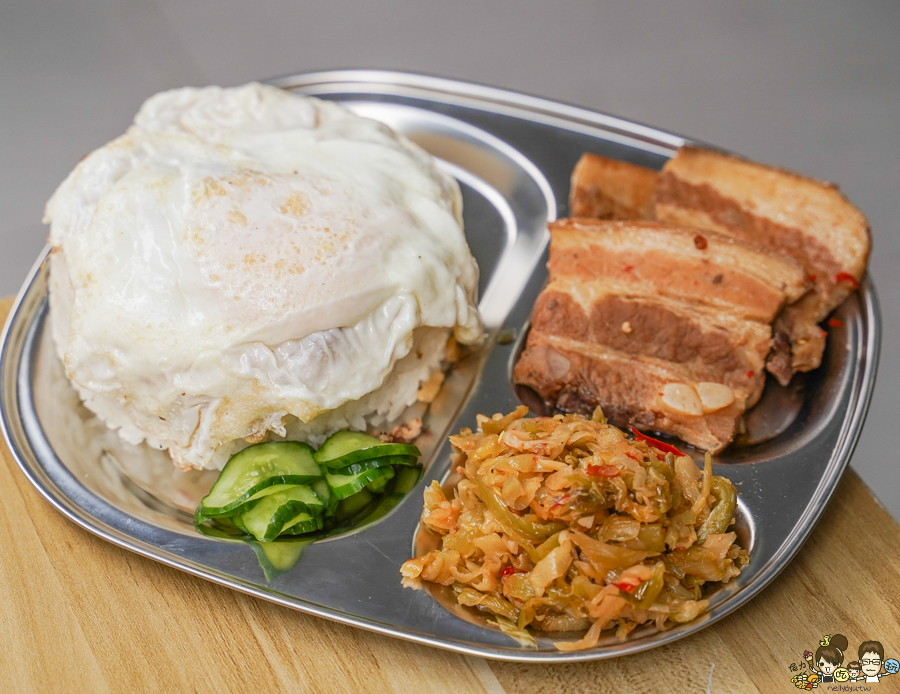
<point x="249" y="473"/>
<point x="347" y="447"/>
<point x="270" y="514"/>
<point x="347" y="485"/>
<point x="279" y="496"/>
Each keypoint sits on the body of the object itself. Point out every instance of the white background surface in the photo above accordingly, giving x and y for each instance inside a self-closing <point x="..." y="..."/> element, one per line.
<point x="811" y="85"/>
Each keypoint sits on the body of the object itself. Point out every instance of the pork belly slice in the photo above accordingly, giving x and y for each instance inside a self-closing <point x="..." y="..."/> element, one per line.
<point x="649" y="258"/>
<point x="576" y="376"/>
<point x="610" y="189"/>
<point x="708" y="345"/>
<point x="665" y="327"/>
<point x="783" y="213"/>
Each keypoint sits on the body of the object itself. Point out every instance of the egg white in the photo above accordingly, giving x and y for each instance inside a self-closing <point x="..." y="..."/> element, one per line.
<point x="241" y="255"/>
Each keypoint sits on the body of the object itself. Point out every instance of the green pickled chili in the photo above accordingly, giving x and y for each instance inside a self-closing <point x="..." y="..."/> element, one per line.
<point x="544" y="548"/>
<point x="519" y="527"/>
<point x="722" y="511"/>
<point x="492" y="603"/>
<point x="653" y="537"/>
<point x="696" y="561"/>
<point x="649" y="590"/>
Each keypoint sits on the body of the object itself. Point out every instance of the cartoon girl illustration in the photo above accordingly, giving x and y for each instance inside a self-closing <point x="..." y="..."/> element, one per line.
<point x="830" y="656"/>
<point x="871" y="658"/>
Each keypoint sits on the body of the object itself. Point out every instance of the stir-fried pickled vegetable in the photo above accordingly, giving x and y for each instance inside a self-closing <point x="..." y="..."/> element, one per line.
<point x="563" y="523"/>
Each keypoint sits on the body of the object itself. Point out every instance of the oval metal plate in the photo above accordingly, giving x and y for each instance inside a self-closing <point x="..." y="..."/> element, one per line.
<point x="513" y="155"/>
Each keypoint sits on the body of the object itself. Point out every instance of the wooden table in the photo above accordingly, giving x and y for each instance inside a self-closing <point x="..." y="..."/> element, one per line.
<point x="78" y="614"/>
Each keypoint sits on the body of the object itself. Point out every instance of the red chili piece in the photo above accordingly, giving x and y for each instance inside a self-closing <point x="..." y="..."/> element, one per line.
<point x="603" y="470"/>
<point x="656" y="443"/>
<point x="835" y="323"/>
<point x="628" y="268"/>
<point x="625" y="587"/>
<point x="562" y="500"/>
<point x="700" y="242"/>
<point x="812" y="278"/>
<point x="751" y="374"/>
<point x="848" y="278"/>
<point x="507" y="571"/>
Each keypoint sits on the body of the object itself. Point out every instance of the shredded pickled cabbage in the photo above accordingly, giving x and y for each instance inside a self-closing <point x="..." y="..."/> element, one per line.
<point x="563" y="524"/>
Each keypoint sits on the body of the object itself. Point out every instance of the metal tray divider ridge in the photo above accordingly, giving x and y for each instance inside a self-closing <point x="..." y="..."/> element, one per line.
<point x="512" y="155"/>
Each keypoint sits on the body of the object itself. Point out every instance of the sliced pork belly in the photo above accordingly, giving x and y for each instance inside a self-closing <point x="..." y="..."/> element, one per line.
<point x="680" y="263"/>
<point x="707" y="345"/>
<point x="783" y="213"/>
<point x="664" y="327"/>
<point x="610" y="189"/>
<point x="651" y="394"/>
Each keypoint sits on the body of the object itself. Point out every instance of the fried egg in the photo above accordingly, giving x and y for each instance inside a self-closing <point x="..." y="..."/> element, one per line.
<point x="242" y="257"/>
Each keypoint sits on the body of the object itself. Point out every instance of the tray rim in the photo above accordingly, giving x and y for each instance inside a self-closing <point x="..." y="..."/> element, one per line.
<point x="480" y="96"/>
<point x="22" y="314"/>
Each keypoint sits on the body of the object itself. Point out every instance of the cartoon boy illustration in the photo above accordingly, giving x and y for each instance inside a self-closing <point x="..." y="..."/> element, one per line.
<point x="829" y="656"/>
<point x="853" y="671"/>
<point x="871" y="657"/>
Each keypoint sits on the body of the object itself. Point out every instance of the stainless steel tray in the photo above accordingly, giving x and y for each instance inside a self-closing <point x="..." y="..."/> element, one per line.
<point x="513" y="155"/>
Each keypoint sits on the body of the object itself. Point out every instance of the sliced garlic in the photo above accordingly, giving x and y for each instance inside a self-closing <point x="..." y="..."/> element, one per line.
<point x="558" y="364"/>
<point x="682" y="398"/>
<point x="714" y="396"/>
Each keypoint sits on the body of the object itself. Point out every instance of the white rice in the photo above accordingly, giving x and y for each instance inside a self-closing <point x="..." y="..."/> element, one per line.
<point x="378" y="410"/>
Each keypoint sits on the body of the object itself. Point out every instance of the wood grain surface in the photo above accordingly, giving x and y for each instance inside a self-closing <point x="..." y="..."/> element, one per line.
<point x="78" y="614"/>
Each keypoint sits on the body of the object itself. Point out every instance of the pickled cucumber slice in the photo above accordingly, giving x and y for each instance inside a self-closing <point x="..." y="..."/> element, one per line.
<point x="347" y="485"/>
<point x="251" y="473"/>
<point x="347" y="447"/>
<point x="269" y="515"/>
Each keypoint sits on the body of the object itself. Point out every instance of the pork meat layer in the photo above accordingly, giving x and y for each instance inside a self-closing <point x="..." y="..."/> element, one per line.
<point x="664" y="327"/>
<point x="785" y="214"/>
<point x="605" y="188"/>
<point x="780" y="212"/>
